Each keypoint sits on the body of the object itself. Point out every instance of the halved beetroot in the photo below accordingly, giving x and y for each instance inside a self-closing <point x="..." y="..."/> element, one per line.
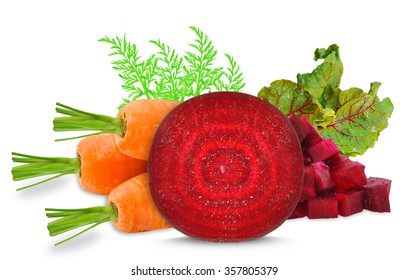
<point x="377" y="192"/>
<point x="322" y="207"/>
<point x="226" y="167"/>
<point x="350" y="202"/>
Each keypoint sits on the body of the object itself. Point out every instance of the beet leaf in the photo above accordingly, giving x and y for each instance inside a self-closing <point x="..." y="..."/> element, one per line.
<point x="359" y="120"/>
<point x="286" y="95"/>
<point x="352" y="118"/>
<point x="326" y="74"/>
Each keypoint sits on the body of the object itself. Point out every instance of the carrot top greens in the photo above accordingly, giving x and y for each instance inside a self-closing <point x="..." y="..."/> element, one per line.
<point x="35" y="166"/>
<point x="170" y="76"/>
<point x="75" y="120"/>
<point x="70" y="219"/>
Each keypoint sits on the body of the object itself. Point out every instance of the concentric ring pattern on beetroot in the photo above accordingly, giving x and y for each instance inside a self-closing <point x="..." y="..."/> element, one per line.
<point x="225" y="167"/>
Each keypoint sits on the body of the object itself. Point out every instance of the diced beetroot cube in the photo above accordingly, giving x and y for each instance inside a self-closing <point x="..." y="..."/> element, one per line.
<point x="377" y="193"/>
<point x="328" y="193"/>
<point x="350" y="202"/>
<point x="322" y="207"/>
<point x="323" y="179"/>
<point x="323" y="150"/>
<point x="373" y="180"/>
<point x="301" y="128"/>
<point x="362" y="166"/>
<point x="306" y="160"/>
<point x="347" y="175"/>
<point x="300" y="211"/>
<point x="309" y="189"/>
<point x="335" y="160"/>
<point x="312" y="137"/>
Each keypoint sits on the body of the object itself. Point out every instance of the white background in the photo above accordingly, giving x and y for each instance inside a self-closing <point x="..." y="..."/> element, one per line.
<point x="49" y="52"/>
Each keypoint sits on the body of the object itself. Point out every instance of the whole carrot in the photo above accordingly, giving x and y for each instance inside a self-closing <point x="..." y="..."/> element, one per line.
<point x="130" y="208"/>
<point x="134" y="125"/>
<point x="99" y="162"/>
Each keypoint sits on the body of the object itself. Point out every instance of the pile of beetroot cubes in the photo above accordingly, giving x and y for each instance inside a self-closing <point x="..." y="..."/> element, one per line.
<point x="334" y="184"/>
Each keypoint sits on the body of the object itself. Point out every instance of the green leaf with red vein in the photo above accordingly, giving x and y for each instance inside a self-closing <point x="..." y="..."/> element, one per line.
<point x="352" y="118"/>
<point x="330" y="98"/>
<point x="359" y="120"/>
<point x="328" y="73"/>
<point x="285" y="95"/>
<point x="312" y="92"/>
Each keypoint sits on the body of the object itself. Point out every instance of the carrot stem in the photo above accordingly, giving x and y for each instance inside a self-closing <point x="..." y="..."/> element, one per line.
<point x="35" y="166"/>
<point x="78" y="120"/>
<point x="70" y="219"/>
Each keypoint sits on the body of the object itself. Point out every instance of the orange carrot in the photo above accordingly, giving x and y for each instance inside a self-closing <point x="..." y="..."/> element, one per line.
<point x="100" y="164"/>
<point x="134" y="125"/>
<point x="130" y="208"/>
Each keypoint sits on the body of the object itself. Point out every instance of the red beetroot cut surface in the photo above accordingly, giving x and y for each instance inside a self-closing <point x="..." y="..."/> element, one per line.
<point x="323" y="150"/>
<point x="300" y="211"/>
<point x="347" y="174"/>
<point x="312" y="137"/>
<point x="350" y="202"/>
<point x="377" y="192"/>
<point x="322" y="207"/>
<point x="323" y="178"/>
<point x="226" y="167"/>
<point x="301" y="126"/>
<point x="309" y="187"/>
<point x="330" y="176"/>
